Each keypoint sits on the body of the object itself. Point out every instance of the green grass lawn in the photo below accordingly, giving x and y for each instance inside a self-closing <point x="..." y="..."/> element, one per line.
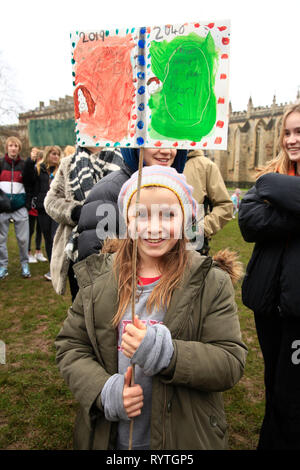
<point x="244" y="404"/>
<point x="37" y="410"/>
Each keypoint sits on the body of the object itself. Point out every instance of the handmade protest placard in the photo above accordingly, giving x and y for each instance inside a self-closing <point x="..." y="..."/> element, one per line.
<point x="157" y="86"/>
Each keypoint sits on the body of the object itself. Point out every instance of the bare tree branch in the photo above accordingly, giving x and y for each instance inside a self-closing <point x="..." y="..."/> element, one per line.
<point x="10" y="105"/>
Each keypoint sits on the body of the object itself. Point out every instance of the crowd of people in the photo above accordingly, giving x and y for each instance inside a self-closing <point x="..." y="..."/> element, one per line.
<point x="24" y="184"/>
<point x="184" y="342"/>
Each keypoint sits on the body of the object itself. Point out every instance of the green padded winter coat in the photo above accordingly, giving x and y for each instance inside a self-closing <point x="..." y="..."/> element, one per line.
<point x="209" y="357"/>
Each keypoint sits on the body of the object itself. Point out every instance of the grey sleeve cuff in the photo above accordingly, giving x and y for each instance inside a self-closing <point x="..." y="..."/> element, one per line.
<point x="112" y="399"/>
<point x="155" y="351"/>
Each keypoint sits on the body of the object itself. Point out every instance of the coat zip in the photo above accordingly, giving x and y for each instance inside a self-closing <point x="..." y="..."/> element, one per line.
<point x="12" y="178"/>
<point x="164" y="417"/>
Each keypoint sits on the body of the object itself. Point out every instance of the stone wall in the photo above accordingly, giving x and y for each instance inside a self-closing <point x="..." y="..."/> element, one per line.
<point x="63" y="108"/>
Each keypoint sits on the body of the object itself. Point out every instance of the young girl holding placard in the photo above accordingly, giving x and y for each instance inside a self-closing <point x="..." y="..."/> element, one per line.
<point x="185" y="340"/>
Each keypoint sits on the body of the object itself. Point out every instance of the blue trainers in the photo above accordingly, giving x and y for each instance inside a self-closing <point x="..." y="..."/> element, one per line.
<point x="25" y="270"/>
<point x="3" y="272"/>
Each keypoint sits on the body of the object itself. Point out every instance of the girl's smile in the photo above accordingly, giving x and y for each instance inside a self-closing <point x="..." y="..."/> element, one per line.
<point x="161" y="156"/>
<point x="159" y="240"/>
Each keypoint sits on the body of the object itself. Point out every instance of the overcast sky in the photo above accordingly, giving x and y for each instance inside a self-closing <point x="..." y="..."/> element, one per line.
<point x="264" y="53"/>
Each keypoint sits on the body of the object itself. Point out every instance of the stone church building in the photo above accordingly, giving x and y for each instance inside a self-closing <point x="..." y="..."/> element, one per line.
<point x="252" y="141"/>
<point x="252" y="136"/>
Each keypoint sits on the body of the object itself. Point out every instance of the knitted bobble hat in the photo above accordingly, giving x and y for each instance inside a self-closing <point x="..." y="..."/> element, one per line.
<point x="164" y="177"/>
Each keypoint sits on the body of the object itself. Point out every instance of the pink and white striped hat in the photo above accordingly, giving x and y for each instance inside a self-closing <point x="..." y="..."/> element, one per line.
<point x="165" y="177"/>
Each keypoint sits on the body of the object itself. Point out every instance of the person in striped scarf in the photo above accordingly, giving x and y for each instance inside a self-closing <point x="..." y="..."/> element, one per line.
<point x="76" y="176"/>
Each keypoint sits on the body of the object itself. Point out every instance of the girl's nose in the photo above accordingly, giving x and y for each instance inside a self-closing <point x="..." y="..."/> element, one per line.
<point x="291" y="138"/>
<point x="165" y="151"/>
<point x="154" y="225"/>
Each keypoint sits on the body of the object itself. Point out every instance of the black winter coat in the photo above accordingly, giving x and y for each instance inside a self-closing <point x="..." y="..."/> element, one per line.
<point x="94" y="218"/>
<point x="269" y="215"/>
<point x="19" y="171"/>
<point x="41" y="187"/>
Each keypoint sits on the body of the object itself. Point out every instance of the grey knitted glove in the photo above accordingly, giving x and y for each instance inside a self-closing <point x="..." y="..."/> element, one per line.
<point x="112" y="399"/>
<point x="155" y="351"/>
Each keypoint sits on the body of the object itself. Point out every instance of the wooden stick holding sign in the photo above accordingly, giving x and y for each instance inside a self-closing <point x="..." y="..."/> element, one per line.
<point x="134" y="262"/>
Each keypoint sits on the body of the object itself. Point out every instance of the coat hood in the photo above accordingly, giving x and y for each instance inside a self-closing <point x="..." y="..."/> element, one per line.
<point x="228" y="261"/>
<point x="131" y="158"/>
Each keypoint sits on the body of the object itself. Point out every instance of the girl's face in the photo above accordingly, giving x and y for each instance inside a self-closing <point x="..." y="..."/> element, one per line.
<point x="160" y="221"/>
<point x="159" y="156"/>
<point x="12" y="149"/>
<point x="291" y="138"/>
<point x="53" y="157"/>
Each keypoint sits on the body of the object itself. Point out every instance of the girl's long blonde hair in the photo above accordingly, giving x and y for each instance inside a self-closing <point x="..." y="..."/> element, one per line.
<point x="173" y="266"/>
<point x="281" y="163"/>
<point x="45" y="159"/>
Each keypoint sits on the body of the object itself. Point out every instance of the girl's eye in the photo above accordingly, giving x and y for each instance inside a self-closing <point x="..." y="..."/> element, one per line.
<point x="168" y="215"/>
<point x="142" y="215"/>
